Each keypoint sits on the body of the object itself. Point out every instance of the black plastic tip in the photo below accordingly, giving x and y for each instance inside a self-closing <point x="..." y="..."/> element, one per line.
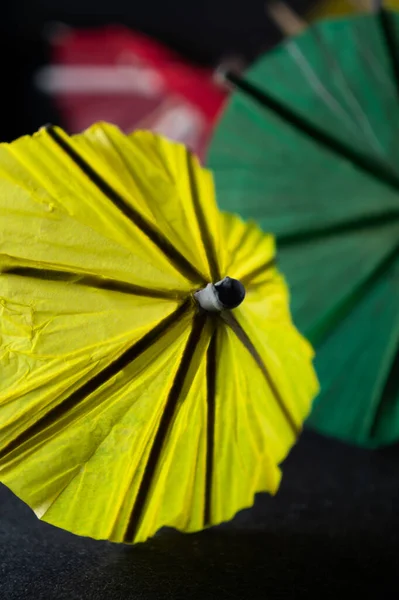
<point x="230" y="292"/>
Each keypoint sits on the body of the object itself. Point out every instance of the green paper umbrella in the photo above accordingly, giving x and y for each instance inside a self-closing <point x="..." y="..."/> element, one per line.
<point x="308" y="146"/>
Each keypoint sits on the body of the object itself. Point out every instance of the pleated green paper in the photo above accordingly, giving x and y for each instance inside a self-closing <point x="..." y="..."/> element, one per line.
<point x="315" y="161"/>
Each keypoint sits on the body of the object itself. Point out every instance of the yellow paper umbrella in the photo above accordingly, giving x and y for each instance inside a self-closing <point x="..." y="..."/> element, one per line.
<point x="138" y="387"/>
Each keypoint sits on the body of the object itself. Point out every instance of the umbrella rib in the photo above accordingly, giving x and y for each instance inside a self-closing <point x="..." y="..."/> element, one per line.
<point x="91" y="386"/>
<point x="299" y="123"/>
<point x="202" y="223"/>
<point x="232" y="322"/>
<point x="369" y="222"/>
<point x="179" y="261"/>
<point x="210" y="433"/>
<point x="390" y="43"/>
<point x="342" y="310"/>
<point x="246" y="279"/>
<point x="240" y="243"/>
<point x="164" y="427"/>
<point x="100" y="283"/>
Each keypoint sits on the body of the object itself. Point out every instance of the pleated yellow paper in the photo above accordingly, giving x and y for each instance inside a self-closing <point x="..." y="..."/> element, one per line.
<point x="338" y="8"/>
<point x="123" y="408"/>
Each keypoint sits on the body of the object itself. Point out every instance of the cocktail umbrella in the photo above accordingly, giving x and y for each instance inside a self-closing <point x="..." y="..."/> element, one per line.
<point x="151" y="374"/>
<point x="307" y="147"/>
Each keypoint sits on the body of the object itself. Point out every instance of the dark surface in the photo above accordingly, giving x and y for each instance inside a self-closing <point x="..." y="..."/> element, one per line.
<point x="331" y="530"/>
<point x="202" y="30"/>
<point x="23" y="109"/>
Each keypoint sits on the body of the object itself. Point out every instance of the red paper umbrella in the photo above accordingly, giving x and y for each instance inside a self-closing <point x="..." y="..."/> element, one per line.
<point x="112" y="74"/>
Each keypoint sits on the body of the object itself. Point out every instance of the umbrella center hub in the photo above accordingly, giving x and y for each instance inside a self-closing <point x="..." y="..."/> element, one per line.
<point x="223" y="295"/>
